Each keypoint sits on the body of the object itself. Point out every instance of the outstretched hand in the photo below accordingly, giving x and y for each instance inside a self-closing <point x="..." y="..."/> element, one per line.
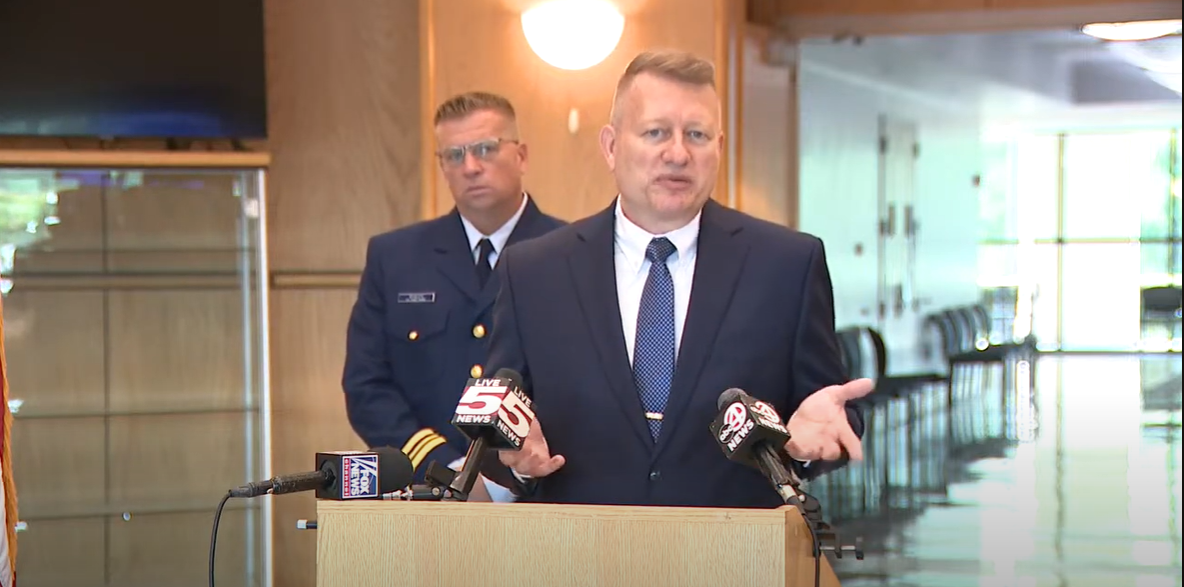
<point x="819" y="429"/>
<point x="534" y="459"/>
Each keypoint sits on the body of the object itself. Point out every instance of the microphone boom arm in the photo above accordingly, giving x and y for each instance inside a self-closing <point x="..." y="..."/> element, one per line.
<point x="462" y="483"/>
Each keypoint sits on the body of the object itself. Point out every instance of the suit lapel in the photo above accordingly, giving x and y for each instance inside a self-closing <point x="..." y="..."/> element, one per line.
<point x="593" y="270"/>
<point x="718" y="264"/>
<point x="455" y="260"/>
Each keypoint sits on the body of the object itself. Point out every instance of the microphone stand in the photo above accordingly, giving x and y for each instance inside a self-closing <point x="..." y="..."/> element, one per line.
<point x="822" y="535"/>
<point x="444" y="484"/>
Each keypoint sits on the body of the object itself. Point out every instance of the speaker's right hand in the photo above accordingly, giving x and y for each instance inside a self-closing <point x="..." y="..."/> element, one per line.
<point x="534" y="459"/>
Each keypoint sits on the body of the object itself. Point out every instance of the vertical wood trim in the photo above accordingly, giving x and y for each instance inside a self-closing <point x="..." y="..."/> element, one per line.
<point x="793" y="156"/>
<point x="724" y="65"/>
<point x="427" y="106"/>
<point x="737" y="20"/>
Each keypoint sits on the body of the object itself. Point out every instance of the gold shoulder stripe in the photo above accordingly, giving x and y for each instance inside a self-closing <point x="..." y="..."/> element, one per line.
<point x="415" y="439"/>
<point x="421" y="452"/>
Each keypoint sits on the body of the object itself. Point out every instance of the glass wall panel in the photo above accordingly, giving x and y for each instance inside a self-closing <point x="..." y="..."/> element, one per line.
<point x="1031" y="271"/>
<point x="1036" y="185"/>
<point x="133" y="331"/>
<point x="1100" y="296"/>
<point x="1110" y="203"/>
<point x="1117" y="185"/>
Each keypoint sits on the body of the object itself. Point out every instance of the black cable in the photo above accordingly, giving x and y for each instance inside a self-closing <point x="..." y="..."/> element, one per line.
<point x="214" y="534"/>
<point x="808" y="507"/>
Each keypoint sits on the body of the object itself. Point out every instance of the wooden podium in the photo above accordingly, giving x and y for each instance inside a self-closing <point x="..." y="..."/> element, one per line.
<point x="458" y="544"/>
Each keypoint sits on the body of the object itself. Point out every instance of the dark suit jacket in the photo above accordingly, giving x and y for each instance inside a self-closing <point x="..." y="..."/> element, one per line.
<point x="417" y="330"/>
<point x="761" y="318"/>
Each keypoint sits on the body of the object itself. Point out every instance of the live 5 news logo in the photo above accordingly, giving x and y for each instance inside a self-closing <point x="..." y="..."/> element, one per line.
<point x="494" y="409"/>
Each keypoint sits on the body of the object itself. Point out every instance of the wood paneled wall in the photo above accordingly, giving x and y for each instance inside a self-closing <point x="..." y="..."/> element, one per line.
<point x="480" y="45"/>
<point x="344" y="108"/>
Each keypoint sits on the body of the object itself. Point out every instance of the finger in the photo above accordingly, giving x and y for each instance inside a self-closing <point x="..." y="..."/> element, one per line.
<point x="855" y="389"/>
<point x="551" y="465"/>
<point x="509" y="458"/>
<point x="851" y="443"/>
<point x="799" y="452"/>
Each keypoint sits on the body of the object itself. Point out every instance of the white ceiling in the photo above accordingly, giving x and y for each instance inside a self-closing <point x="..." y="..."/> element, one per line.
<point x="1002" y="75"/>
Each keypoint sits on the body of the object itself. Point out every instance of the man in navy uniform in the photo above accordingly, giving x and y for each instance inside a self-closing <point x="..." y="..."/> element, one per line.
<point x="421" y="324"/>
<point x="626" y="326"/>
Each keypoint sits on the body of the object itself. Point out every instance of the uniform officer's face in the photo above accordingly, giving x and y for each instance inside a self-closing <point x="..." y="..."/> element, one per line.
<point x="664" y="150"/>
<point x="482" y="161"/>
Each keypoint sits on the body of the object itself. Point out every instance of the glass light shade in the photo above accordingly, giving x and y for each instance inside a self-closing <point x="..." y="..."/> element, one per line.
<point x="573" y="34"/>
<point x="1132" y="31"/>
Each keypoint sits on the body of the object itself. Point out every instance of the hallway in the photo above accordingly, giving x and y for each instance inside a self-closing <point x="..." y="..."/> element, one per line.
<point x="1079" y="487"/>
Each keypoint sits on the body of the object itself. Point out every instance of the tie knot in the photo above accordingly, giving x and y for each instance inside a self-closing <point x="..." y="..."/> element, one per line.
<point x="659" y="249"/>
<point x="485" y="248"/>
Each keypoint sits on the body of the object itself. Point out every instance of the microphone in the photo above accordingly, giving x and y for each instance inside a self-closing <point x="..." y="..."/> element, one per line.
<point x="750" y="432"/>
<point x="495" y="414"/>
<point x="341" y="475"/>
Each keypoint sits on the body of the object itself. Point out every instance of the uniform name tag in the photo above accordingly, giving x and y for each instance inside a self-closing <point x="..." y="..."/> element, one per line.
<point x="420" y="297"/>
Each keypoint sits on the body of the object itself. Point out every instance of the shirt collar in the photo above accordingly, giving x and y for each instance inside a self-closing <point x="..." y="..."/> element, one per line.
<point x="632" y="240"/>
<point x="499" y="236"/>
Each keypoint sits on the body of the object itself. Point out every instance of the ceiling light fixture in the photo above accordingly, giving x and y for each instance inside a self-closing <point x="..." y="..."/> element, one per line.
<point x="1132" y="31"/>
<point x="573" y="34"/>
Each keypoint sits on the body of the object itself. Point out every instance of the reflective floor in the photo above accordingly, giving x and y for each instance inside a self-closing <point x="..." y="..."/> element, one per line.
<point x="1074" y="482"/>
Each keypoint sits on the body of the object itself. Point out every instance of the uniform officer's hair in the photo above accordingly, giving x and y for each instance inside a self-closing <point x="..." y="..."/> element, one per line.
<point x="462" y="105"/>
<point x="677" y="66"/>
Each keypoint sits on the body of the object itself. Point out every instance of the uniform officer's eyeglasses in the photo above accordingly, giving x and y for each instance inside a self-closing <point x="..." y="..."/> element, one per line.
<point x="481" y="150"/>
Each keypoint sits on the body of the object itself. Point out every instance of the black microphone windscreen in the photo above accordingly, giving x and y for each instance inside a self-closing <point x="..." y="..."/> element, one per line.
<point x="728" y="396"/>
<point x="506" y="373"/>
<point x="394" y="469"/>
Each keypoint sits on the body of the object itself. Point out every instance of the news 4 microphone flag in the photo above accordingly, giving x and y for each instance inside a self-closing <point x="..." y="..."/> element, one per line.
<point x="8" y="537"/>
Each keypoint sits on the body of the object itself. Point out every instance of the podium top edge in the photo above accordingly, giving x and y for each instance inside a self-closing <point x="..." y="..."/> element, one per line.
<point x="456" y="508"/>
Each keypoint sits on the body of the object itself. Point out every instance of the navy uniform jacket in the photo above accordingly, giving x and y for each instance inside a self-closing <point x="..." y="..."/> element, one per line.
<point x="760" y="318"/>
<point x="418" y="331"/>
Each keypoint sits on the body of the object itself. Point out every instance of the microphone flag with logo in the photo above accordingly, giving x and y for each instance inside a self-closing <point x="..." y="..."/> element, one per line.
<point x="743" y="423"/>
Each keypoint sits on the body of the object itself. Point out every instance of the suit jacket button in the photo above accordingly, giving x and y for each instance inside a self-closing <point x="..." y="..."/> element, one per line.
<point x="654" y="475"/>
<point x="412" y="335"/>
<point x="479" y="331"/>
<point x="476" y="371"/>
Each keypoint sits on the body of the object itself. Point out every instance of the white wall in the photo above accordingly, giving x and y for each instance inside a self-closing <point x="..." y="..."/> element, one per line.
<point x="839" y="140"/>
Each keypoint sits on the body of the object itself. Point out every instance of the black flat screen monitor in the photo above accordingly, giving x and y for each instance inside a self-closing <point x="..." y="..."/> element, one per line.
<point x="132" y="68"/>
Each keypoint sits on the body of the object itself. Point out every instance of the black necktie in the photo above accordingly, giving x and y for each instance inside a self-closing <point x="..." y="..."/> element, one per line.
<point x="484" y="250"/>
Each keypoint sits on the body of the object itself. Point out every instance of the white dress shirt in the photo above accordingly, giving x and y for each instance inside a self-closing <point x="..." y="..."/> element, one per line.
<point x="633" y="268"/>
<point x="498" y="240"/>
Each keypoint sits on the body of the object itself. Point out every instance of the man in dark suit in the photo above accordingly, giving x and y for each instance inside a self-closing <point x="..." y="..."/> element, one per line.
<point x="627" y="326"/>
<point x="421" y="324"/>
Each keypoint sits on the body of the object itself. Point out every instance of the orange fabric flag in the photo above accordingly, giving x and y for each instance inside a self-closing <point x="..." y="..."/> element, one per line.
<point x="8" y="537"/>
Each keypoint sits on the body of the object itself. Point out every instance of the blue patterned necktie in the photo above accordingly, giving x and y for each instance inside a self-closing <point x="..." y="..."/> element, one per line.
<point x="653" y="353"/>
